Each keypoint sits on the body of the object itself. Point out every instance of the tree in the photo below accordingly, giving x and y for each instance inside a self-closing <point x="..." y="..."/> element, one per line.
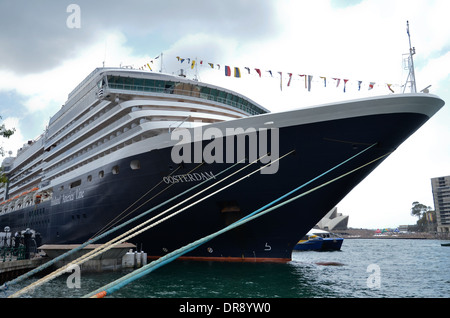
<point x="419" y="209"/>
<point x="426" y="216"/>
<point x="6" y="133"/>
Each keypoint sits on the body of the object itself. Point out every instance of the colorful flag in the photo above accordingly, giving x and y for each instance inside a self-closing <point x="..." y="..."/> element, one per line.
<point x="371" y="85"/>
<point x="359" y="85"/>
<point x="345" y="83"/>
<point x="227" y="71"/>
<point x="338" y="81"/>
<point x="211" y="64"/>
<point x="258" y="71"/>
<point x="149" y="67"/>
<point x="281" y="80"/>
<point x="237" y="72"/>
<point x="310" y="77"/>
<point x="306" y="86"/>
<point x="390" y="88"/>
<point x="248" y="70"/>
<point x="192" y="64"/>
<point x="290" y="77"/>
<point x="324" y="81"/>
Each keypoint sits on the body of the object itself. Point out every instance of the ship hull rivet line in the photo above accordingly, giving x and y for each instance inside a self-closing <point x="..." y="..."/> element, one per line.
<point x="127" y="279"/>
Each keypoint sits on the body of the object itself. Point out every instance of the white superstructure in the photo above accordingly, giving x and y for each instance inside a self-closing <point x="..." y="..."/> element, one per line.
<point x="108" y="115"/>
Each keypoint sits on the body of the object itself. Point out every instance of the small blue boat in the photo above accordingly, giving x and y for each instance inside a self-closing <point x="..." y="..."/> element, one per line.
<point x="319" y="240"/>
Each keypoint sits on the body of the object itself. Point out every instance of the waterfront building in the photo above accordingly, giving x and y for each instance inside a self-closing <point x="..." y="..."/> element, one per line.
<point x="441" y="197"/>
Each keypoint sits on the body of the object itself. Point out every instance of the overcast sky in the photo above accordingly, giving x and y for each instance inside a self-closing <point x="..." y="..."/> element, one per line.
<point x="43" y="57"/>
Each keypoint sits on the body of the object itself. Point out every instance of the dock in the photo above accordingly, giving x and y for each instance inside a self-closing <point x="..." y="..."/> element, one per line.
<point x="12" y="268"/>
<point x="109" y="260"/>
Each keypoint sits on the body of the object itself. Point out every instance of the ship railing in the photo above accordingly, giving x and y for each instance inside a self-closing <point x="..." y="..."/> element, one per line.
<point x="181" y="122"/>
<point x="96" y="141"/>
<point x="181" y="92"/>
<point x="82" y="132"/>
<point x="102" y="108"/>
<point x="9" y="253"/>
<point x="95" y="153"/>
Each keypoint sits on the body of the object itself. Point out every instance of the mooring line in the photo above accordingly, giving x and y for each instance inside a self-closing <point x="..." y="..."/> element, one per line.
<point x="119" y="283"/>
<point x="137" y="232"/>
<point x="113" y="221"/>
<point x="93" y="240"/>
<point x="110" y="244"/>
<point x="121" y="238"/>
<point x="148" y="200"/>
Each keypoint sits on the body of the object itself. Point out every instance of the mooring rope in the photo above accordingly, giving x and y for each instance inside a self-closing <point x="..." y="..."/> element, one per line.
<point x="127" y="279"/>
<point x="116" y="219"/>
<point x="111" y="244"/>
<point x="93" y="240"/>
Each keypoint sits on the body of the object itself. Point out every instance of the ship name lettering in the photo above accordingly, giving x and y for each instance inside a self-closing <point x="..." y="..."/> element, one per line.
<point x="79" y="194"/>
<point x="189" y="177"/>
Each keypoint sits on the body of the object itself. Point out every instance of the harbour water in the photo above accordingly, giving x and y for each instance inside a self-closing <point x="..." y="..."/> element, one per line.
<point x="364" y="268"/>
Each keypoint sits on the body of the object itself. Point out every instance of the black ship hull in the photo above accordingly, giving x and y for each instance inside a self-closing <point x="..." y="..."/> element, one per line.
<point x="82" y="209"/>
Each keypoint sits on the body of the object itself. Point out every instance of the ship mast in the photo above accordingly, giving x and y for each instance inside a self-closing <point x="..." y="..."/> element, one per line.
<point x="411" y="76"/>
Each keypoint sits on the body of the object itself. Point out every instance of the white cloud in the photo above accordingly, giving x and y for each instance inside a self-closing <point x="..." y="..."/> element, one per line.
<point x="44" y="93"/>
<point x="14" y="142"/>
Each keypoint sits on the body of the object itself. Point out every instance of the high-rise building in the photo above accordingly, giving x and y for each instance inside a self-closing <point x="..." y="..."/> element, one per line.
<point x="441" y="196"/>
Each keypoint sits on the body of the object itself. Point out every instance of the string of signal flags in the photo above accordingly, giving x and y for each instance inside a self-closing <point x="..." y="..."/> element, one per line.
<point x="288" y="77"/>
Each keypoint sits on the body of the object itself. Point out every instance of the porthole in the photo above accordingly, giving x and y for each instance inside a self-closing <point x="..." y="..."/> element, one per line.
<point x="75" y="184"/>
<point x="135" y="165"/>
<point x="115" y="170"/>
<point x="101" y="174"/>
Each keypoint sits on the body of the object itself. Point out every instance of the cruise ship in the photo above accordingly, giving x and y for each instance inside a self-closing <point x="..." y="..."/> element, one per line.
<point x="127" y="141"/>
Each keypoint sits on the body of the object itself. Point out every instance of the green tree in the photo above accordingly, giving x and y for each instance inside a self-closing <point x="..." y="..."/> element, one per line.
<point x="419" y="209"/>
<point x="426" y="216"/>
<point x="6" y="133"/>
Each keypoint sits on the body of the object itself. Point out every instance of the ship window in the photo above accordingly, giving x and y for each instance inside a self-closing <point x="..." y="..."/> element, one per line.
<point x="139" y="82"/>
<point x="89" y="178"/>
<point x="75" y="184"/>
<point x="101" y="174"/>
<point x="135" y="165"/>
<point x="115" y="170"/>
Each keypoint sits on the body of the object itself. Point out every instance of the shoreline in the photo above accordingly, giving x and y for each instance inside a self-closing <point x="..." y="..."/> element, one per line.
<point x="370" y="234"/>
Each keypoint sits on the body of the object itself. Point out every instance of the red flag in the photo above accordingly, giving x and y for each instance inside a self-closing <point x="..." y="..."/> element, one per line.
<point x="290" y="77"/>
<point x="258" y="71"/>
<point x="227" y="71"/>
<point x="305" y="79"/>
<point x="338" y="81"/>
<point x="390" y="88"/>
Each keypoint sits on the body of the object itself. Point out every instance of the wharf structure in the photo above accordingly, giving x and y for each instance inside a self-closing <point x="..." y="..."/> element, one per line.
<point x="441" y="196"/>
